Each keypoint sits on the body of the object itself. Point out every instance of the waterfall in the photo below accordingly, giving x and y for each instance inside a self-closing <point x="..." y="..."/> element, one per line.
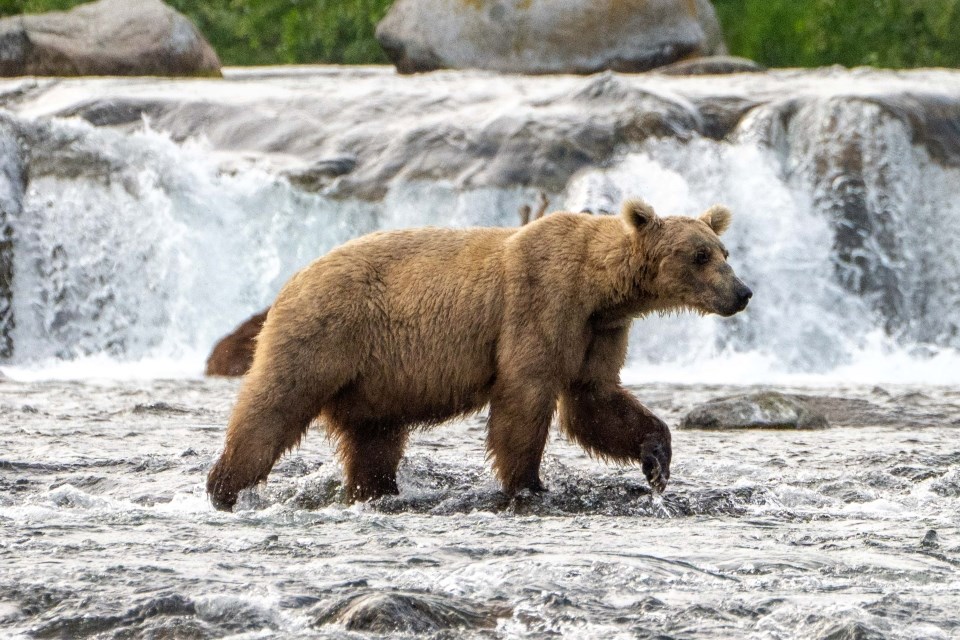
<point x="135" y="249"/>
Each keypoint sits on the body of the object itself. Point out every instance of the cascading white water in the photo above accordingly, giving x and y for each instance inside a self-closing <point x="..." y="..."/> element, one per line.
<point x="160" y="258"/>
<point x="139" y="267"/>
<point x="890" y="312"/>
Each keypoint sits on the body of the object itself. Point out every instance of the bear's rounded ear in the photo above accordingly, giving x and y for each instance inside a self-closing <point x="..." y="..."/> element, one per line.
<point x="639" y="214"/>
<point x="718" y="218"/>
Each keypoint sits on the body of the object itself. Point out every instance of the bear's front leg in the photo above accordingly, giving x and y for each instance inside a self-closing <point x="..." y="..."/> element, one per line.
<point x="517" y="433"/>
<point x="607" y="421"/>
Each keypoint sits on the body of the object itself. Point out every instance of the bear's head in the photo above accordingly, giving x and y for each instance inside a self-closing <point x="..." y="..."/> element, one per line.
<point x="684" y="264"/>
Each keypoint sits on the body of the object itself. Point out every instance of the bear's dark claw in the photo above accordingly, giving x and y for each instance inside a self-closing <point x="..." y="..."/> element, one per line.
<point x="656" y="465"/>
<point x="220" y="496"/>
<point x="222" y="505"/>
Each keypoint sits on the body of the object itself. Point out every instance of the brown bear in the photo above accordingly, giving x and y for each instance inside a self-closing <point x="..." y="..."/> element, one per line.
<point x="233" y="355"/>
<point x="404" y="329"/>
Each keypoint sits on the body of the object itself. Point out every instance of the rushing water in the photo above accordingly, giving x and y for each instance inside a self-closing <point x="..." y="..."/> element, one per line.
<point x="139" y="234"/>
<point x="850" y="532"/>
<point x="137" y="245"/>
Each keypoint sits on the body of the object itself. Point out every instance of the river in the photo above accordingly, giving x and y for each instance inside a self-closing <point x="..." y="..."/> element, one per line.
<point x="141" y="219"/>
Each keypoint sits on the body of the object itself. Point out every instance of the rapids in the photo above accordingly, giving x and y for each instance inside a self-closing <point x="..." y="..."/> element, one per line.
<point x="145" y="218"/>
<point x="850" y="532"/>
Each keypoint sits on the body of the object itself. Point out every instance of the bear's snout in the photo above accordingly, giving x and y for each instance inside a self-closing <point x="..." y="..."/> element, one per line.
<point x="743" y="294"/>
<point x="736" y="299"/>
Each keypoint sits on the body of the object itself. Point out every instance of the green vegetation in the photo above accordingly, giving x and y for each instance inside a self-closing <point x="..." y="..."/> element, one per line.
<point x="248" y="32"/>
<point x="777" y="33"/>
<point x="812" y="33"/>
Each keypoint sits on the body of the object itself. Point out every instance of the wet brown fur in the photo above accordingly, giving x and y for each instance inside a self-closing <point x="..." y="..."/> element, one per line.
<point x="409" y="328"/>
<point x="233" y="354"/>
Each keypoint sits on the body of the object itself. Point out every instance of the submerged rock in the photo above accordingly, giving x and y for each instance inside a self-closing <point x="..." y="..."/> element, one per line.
<point x="233" y="355"/>
<point x="711" y="65"/>
<point x="931" y="540"/>
<point x="406" y="612"/>
<point x="320" y="174"/>
<point x="108" y="37"/>
<point x="577" y="36"/>
<point x="768" y="410"/>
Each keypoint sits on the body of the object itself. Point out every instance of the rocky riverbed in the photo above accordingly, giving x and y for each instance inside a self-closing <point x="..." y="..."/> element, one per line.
<point x="846" y="532"/>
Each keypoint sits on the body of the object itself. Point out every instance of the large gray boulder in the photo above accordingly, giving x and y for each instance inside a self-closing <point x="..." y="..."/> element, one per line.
<point x="548" y="36"/>
<point x="766" y="410"/>
<point x="106" y="38"/>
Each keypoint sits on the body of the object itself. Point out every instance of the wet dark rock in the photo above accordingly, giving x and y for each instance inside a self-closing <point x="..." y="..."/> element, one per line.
<point x="947" y="485"/>
<point x="569" y="492"/>
<point x="712" y="65"/>
<point x="108" y="37"/>
<point x="577" y="36"/>
<point x="930" y="540"/>
<point x="159" y="408"/>
<point x="848" y="491"/>
<point x="232" y="614"/>
<point x="68" y="624"/>
<point x="846" y="412"/>
<point x="320" y="174"/>
<point x="767" y="410"/>
<point x="911" y="397"/>
<point x="406" y="612"/>
<point x="233" y="354"/>
<point x="111" y="113"/>
<point x="852" y="631"/>
<point x="721" y="115"/>
<point x="12" y="186"/>
<point x="913" y="473"/>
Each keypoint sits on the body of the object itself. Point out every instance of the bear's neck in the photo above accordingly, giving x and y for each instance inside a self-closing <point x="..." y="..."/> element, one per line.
<point x="628" y="269"/>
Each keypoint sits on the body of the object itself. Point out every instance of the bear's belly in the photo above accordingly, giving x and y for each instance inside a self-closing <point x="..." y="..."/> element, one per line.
<point x="395" y="401"/>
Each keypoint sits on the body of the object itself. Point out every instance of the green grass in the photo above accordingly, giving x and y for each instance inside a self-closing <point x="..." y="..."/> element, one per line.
<point x="248" y="32"/>
<point x="776" y="33"/>
<point x="811" y="33"/>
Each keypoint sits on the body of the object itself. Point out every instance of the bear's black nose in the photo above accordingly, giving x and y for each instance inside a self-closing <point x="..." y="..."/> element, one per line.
<point x="743" y="296"/>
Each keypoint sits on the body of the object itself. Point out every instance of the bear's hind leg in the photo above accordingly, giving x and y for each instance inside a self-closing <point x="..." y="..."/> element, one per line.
<point x="370" y="454"/>
<point x="606" y="420"/>
<point x="517" y="433"/>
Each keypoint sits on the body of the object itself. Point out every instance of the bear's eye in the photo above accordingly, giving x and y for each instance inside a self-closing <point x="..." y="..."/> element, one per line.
<point x="701" y="257"/>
